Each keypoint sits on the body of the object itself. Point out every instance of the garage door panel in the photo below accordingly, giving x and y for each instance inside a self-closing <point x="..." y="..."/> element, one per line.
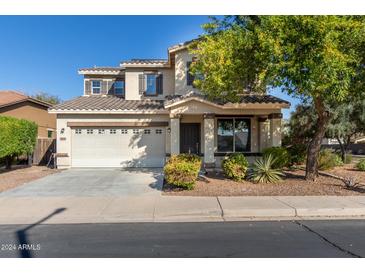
<point x="125" y="148"/>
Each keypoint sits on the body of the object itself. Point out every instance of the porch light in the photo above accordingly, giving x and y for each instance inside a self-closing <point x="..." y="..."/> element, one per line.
<point x="62" y="130"/>
<point x="168" y="130"/>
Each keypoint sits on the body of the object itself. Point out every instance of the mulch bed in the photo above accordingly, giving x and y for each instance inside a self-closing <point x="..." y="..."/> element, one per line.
<point x="293" y="184"/>
<point x="20" y="175"/>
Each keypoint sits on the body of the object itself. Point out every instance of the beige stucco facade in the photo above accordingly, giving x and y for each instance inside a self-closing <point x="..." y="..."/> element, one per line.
<point x="33" y="112"/>
<point x="264" y="118"/>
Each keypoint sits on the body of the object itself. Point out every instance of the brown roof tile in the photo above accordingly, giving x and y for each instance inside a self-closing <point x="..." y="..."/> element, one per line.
<point x="8" y="97"/>
<point x="106" y="103"/>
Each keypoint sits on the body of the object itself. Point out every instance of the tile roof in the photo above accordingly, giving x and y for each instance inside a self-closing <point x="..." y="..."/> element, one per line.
<point x="145" y="61"/>
<point x="109" y="103"/>
<point x="244" y="99"/>
<point x="10" y="97"/>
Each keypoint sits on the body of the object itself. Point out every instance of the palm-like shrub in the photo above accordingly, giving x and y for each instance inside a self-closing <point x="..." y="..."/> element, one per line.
<point x="263" y="171"/>
<point x="280" y="154"/>
<point x="235" y="166"/>
<point x="361" y="165"/>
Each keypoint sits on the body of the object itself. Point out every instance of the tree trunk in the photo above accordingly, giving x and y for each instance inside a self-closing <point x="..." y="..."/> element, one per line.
<point x="343" y="151"/>
<point x="314" y="147"/>
<point x="8" y="161"/>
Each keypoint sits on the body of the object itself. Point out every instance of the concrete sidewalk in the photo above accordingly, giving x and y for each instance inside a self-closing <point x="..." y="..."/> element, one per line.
<point x="28" y="210"/>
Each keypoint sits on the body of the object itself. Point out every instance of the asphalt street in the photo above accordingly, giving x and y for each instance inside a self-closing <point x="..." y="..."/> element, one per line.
<point x="159" y="240"/>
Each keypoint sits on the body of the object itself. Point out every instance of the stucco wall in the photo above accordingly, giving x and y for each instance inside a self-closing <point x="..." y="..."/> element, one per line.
<point x="35" y="113"/>
<point x="181" y="58"/>
<point x="132" y="84"/>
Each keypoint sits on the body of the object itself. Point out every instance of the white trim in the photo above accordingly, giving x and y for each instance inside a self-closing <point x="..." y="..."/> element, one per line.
<point x="91" y="111"/>
<point x="101" y="72"/>
<point x="232" y="105"/>
<point x="100" y="87"/>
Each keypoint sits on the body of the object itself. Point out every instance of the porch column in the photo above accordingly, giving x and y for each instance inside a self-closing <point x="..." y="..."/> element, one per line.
<point x="264" y="133"/>
<point x="175" y="134"/>
<point x="209" y="160"/>
<point x="275" y="129"/>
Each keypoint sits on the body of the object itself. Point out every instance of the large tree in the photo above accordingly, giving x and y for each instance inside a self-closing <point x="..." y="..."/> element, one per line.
<point x="317" y="58"/>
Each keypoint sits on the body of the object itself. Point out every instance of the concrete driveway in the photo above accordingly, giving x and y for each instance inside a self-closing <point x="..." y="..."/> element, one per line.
<point x="93" y="183"/>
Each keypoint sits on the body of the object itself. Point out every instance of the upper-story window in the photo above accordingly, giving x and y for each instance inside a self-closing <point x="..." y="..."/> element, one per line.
<point x="96" y="87"/>
<point x="150" y="84"/>
<point x="151" y="88"/>
<point x="119" y="87"/>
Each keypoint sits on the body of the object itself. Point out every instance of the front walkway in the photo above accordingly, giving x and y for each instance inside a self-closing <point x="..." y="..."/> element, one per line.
<point x="158" y="208"/>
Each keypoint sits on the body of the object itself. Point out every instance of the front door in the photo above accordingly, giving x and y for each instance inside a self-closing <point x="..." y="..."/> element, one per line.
<point x="190" y="138"/>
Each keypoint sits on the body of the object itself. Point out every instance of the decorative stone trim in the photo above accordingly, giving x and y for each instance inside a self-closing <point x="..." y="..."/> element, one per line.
<point x="209" y="115"/>
<point x="175" y="115"/>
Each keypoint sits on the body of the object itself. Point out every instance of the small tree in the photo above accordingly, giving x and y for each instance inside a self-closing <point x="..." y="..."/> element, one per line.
<point x="17" y="137"/>
<point x="48" y="98"/>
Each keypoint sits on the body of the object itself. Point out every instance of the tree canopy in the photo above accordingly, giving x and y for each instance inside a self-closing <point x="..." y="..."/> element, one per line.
<point x="45" y="97"/>
<point x="17" y="137"/>
<point x="317" y="58"/>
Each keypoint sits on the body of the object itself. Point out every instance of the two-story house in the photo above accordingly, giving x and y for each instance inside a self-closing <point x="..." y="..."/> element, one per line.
<point x="143" y="111"/>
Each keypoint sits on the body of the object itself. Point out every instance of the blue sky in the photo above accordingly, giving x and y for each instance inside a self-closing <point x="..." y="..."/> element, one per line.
<point x="43" y="53"/>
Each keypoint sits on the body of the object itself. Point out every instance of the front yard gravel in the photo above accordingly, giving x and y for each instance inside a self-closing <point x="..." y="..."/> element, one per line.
<point x="293" y="184"/>
<point x="22" y="175"/>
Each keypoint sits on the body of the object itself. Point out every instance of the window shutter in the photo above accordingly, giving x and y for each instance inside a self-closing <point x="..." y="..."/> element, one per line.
<point x="87" y="87"/>
<point x="160" y="84"/>
<point x="110" y="87"/>
<point x="189" y="76"/>
<point x="104" y="89"/>
<point x="141" y="85"/>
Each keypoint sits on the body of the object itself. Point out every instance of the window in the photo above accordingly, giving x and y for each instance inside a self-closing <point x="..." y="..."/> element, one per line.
<point x="113" y="131"/>
<point x="135" y="131"/>
<point x="147" y="131"/>
<point x="96" y="87"/>
<point x="158" y="131"/>
<point x="78" y="131"/>
<point x="101" y="131"/>
<point x="119" y="88"/>
<point x="90" y="131"/>
<point x="124" y="131"/>
<point x="151" y="84"/>
<point x="49" y="133"/>
<point x="234" y="135"/>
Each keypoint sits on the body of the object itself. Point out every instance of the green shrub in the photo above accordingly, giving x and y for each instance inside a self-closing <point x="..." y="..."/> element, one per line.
<point x="263" y="171"/>
<point x="280" y="154"/>
<point x="297" y="154"/>
<point x="361" y="165"/>
<point x="235" y="166"/>
<point x="182" y="170"/>
<point x="17" y="137"/>
<point x="348" y="158"/>
<point x="328" y="160"/>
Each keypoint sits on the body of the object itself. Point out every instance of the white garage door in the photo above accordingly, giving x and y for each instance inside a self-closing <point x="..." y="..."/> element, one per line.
<point x="118" y="147"/>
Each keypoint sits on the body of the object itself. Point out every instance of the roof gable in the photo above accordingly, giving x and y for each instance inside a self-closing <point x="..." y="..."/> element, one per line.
<point x="10" y="97"/>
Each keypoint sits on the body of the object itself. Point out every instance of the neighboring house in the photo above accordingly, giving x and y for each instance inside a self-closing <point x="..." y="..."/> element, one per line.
<point x="140" y="113"/>
<point x="18" y="105"/>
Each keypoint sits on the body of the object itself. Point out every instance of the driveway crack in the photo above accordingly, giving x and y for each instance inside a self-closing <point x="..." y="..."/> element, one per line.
<point x="307" y="228"/>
